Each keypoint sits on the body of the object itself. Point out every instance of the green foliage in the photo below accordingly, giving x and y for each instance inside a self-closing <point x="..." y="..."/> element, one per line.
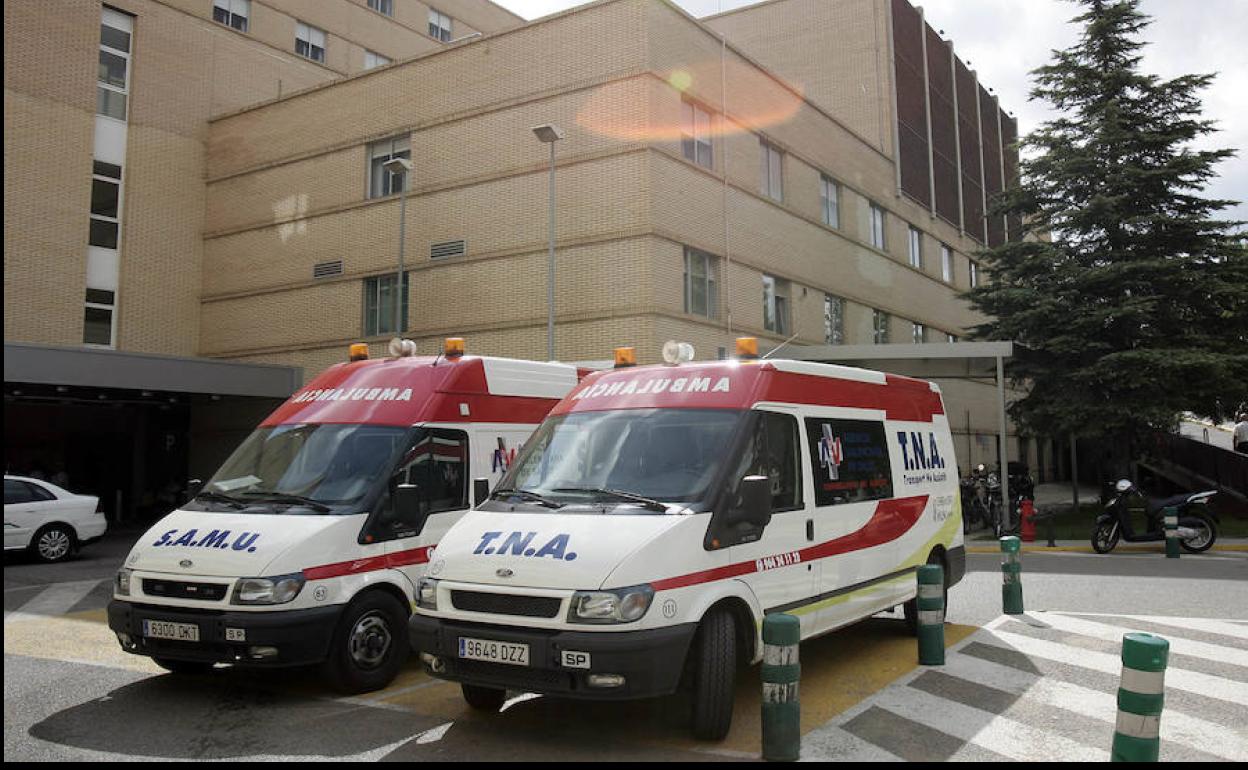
<point x="1137" y="309"/>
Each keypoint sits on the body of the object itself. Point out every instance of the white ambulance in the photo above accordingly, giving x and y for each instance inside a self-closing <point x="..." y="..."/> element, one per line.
<point x="306" y="545"/>
<point x="660" y="512"/>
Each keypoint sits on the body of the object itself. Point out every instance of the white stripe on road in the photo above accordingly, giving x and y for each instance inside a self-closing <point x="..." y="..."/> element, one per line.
<point x="57" y="599"/>
<point x="1182" y="679"/>
<point x="1178" y="645"/>
<point x="1176" y="726"/>
<point x="1225" y="627"/>
<point x="998" y="734"/>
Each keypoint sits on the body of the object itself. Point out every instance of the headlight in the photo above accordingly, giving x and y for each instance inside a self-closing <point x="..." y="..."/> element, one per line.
<point x="274" y="590"/>
<point x="123" y="582"/>
<point x="621" y="605"/>
<point x="427" y="594"/>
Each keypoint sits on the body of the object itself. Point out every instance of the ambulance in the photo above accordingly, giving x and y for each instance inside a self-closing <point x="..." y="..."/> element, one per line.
<point x="660" y="512"/>
<point x="306" y="546"/>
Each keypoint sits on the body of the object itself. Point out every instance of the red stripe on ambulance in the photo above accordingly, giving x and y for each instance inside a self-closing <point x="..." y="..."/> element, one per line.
<point x="369" y="564"/>
<point x="892" y="519"/>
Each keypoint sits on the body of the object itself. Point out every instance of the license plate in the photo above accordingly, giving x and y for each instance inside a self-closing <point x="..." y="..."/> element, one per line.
<point x="494" y="652"/>
<point x="178" y="632"/>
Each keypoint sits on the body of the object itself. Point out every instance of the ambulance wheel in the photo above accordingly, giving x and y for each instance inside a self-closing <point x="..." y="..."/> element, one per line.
<point x="714" y="676"/>
<point x="911" y="608"/>
<point x="183" y="667"/>
<point x="369" y="645"/>
<point x="484" y="698"/>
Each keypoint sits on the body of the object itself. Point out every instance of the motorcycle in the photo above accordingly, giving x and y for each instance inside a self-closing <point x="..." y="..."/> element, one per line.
<point x="1198" y="525"/>
<point x="975" y="513"/>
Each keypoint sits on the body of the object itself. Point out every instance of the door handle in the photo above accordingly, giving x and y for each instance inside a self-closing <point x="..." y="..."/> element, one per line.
<point x="810" y="530"/>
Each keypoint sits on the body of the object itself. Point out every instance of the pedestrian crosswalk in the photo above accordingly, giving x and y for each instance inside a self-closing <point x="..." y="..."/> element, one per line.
<point x="1043" y="686"/>
<point x="31" y="602"/>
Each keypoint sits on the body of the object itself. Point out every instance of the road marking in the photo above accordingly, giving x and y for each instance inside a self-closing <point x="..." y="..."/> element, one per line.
<point x="1113" y="632"/>
<point x="55" y="600"/>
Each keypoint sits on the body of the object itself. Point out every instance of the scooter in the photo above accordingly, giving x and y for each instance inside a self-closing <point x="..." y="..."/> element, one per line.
<point x="1198" y="525"/>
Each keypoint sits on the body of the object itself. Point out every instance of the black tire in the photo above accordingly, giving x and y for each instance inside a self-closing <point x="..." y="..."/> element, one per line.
<point x="1105" y="537"/>
<point x="910" y="610"/>
<point x="1205" y="542"/>
<point x="183" y="667"/>
<point x="53" y="543"/>
<point x="714" y="676"/>
<point x="369" y="646"/>
<point x="489" y="699"/>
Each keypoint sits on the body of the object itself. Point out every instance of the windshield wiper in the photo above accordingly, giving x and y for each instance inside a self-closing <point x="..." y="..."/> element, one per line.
<point x="647" y="503"/>
<point x="284" y="497"/>
<point x="220" y="498"/>
<point x="527" y="495"/>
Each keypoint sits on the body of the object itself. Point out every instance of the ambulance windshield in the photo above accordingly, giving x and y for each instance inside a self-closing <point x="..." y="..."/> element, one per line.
<point x="667" y="455"/>
<point x="303" y="469"/>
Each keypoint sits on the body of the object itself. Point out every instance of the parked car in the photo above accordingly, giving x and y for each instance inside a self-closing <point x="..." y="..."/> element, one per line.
<point x="50" y="522"/>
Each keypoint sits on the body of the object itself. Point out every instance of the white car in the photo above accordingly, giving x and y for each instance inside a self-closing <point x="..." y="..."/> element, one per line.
<point x="49" y="521"/>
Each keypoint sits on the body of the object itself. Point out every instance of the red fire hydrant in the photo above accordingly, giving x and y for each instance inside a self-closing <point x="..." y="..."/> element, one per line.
<point x="1027" y="521"/>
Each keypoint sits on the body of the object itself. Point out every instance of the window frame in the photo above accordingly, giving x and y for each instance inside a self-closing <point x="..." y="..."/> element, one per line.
<point x="229" y="8"/>
<point x="384" y="7"/>
<point x="691" y="139"/>
<point x="880" y="323"/>
<point x="113" y="221"/>
<point x="772" y="170"/>
<point x="973" y="272"/>
<point x="915" y="242"/>
<point x="946" y="263"/>
<point x="379" y="60"/>
<point x="103" y="85"/>
<point x="303" y="28"/>
<point x="711" y="292"/>
<point x="830" y="206"/>
<point x="878" y="226"/>
<point x="400" y="146"/>
<point x="777" y="308"/>
<point x="918" y="332"/>
<point x="90" y="304"/>
<point x="443" y="34"/>
<point x="376" y="329"/>
<point x="833" y="322"/>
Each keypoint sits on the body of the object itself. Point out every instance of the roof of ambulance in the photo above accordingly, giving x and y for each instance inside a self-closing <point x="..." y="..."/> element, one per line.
<point x="743" y="384"/>
<point x="406" y="390"/>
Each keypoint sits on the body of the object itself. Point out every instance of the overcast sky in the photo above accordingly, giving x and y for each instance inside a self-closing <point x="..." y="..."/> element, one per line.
<point x="1006" y="39"/>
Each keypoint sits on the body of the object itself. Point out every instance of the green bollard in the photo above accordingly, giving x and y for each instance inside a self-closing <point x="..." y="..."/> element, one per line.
<point x="782" y="711"/>
<point x="1140" y="698"/>
<point x="1012" y="576"/>
<point x="931" y="615"/>
<point x="1172" y="532"/>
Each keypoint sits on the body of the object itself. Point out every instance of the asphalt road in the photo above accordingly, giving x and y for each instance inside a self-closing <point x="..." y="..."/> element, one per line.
<point x="71" y="694"/>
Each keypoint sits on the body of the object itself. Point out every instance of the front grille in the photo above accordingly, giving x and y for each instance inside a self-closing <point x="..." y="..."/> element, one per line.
<point x="175" y="589"/>
<point x="506" y="604"/>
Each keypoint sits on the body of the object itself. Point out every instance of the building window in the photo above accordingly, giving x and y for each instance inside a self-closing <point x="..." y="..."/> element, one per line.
<point x="97" y="324"/>
<point x="701" y="297"/>
<point x="776" y="304"/>
<point x="952" y="337"/>
<point x="310" y="42"/>
<point x="877" y="227"/>
<point x="439" y="26"/>
<point x="880" y="327"/>
<point x="919" y="332"/>
<point x="916" y="248"/>
<point x="372" y="59"/>
<point x="382" y="6"/>
<point x="113" y="82"/>
<point x="695" y="134"/>
<point x="105" y="205"/>
<point x="772" y="171"/>
<point x="974" y="272"/>
<point x="833" y="320"/>
<point x="380" y="181"/>
<point x="232" y="13"/>
<point x="379" y="305"/>
<point x="946" y="263"/>
<point x="830" y="198"/>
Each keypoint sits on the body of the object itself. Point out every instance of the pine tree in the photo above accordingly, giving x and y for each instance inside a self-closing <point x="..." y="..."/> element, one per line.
<point x="1137" y="310"/>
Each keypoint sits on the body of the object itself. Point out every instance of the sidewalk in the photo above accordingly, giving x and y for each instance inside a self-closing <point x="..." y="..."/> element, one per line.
<point x="1059" y="493"/>
<point x="982" y="542"/>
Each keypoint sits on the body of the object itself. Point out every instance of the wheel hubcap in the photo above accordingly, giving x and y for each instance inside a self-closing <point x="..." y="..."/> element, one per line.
<point x="1199" y="540"/>
<point x="370" y="641"/>
<point x="53" y="544"/>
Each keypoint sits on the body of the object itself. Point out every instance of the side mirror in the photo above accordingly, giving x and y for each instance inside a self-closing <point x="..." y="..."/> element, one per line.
<point x="755" y="507"/>
<point x="409" y="508"/>
<point x="480" y="491"/>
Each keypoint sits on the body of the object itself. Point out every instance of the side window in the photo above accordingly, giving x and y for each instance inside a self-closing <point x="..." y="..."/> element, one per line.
<point x="16" y="492"/>
<point x="436" y="463"/>
<point x="849" y="460"/>
<point x="39" y="493"/>
<point x="774" y="452"/>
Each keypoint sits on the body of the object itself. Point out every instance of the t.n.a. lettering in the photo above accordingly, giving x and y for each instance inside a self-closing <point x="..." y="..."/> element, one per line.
<point x="524" y="544"/>
<point x="919" y="450"/>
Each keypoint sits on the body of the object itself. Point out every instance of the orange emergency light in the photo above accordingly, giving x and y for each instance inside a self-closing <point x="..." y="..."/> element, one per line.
<point x="358" y="352"/>
<point x="625" y="357"/>
<point x="454" y="347"/>
<point x="747" y="348"/>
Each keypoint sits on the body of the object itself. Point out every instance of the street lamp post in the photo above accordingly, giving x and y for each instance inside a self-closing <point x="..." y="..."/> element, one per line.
<point x="400" y="167"/>
<point x="549" y="134"/>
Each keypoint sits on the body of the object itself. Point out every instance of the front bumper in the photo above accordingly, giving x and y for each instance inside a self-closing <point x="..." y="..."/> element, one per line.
<point x="301" y="637"/>
<point x="650" y="661"/>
